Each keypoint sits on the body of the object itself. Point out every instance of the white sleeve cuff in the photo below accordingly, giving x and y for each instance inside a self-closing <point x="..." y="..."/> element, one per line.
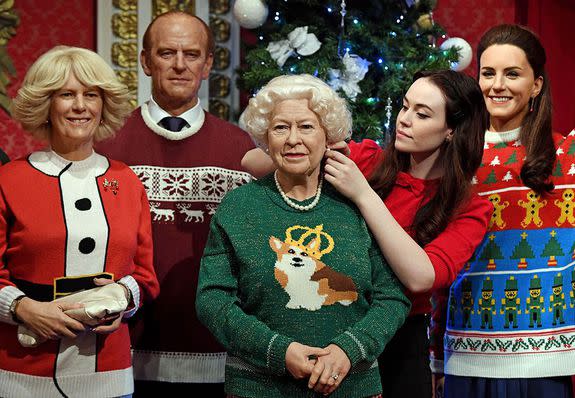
<point x="131" y="284"/>
<point x="7" y="295"/>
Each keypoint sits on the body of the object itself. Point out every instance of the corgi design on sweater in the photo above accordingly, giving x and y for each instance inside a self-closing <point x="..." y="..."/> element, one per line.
<point x="309" y="282"/>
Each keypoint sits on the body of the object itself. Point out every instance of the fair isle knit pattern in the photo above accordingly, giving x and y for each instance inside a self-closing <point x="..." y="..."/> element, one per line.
<point x="186" y="174"/>
<point x="272" y="275"/>
<point x="511" y="311"/>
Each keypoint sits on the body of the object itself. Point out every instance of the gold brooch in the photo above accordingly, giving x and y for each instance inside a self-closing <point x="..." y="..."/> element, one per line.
<point x="111" y="185"/>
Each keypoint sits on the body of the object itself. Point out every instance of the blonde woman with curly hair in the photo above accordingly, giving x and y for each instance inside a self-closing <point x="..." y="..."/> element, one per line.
<point x="70" y="220"/>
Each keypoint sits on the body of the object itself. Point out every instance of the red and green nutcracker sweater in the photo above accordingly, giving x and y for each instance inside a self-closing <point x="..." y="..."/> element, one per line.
<point x="511" y="310"/>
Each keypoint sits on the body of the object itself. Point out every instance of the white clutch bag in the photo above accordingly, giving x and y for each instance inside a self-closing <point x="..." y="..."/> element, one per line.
<point x="99" y="302"/>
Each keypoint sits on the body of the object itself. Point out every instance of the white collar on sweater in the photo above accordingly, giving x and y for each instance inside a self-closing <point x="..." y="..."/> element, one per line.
<point x="50" y="163"/>
<point x="152" y="114"/>
<point x="493" y="137"/>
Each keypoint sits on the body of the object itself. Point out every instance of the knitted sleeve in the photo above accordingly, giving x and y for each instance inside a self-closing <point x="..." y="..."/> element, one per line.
<point x="366" y="155"/>
<point x="365" y="341"/>
<point x="143" y="282"/>
<point x="218" y="308"/>
<point x="8" y="291"/>
<point x="467" y="229"/>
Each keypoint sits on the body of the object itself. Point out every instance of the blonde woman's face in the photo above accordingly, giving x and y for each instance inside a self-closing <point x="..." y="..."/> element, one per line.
<point x="296" y="139"/>
<point x="75" y="114"/>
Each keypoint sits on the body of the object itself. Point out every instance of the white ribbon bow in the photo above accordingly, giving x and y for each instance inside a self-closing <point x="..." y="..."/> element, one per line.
<point x="298" y="41"/>
<point x="354" y="70"/>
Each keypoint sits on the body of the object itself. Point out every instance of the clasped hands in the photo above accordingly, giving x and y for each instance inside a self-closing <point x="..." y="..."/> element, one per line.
<point x="325" y="367"/>
<point x="49" y="321"/>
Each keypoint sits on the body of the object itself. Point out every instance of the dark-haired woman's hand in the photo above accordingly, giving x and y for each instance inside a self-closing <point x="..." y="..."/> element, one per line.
<point x="345" y="176"/>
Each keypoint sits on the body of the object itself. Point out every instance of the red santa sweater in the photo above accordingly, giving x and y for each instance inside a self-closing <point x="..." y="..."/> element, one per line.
<point x="186" y="175"/>
<point x="66" y="219"/>
<point x="466" y="228"/>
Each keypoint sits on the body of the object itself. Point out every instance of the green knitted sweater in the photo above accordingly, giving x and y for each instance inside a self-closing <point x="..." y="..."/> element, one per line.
<point x="272" y="275"/>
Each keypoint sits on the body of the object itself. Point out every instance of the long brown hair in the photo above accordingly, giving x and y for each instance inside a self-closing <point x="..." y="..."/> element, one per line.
<point x="467" y="116"/>
<point x="536" y="129"/>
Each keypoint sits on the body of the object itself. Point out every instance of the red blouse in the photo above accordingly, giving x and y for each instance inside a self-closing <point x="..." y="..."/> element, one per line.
<point x="451" y="249"/>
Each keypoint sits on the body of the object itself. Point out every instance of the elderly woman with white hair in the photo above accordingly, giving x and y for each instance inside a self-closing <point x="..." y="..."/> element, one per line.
<point x="70" y="220"/>
<point x="296" y="289"/>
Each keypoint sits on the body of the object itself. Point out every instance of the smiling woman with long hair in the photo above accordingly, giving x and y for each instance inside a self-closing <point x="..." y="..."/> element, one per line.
<point x="510" y="304"/>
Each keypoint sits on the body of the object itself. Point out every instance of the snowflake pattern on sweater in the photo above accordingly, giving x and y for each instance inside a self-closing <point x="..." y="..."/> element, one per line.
<point x="511" y="311"/>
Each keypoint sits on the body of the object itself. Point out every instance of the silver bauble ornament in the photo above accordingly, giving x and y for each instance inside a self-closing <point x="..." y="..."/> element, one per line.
<point x="464" y="50"/>
<point x="250" y="14"/>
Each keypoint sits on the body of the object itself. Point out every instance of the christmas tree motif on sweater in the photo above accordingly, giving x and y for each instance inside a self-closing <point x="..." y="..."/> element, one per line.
<point x="552" y="249"/>
<point x="522" y="252"/>
<point x="567" y="206"/>
<point x="498" y="206"/>
<point x="466" y="303"/>
<point x="491" y="252"/>
<point x="571" y="169"/>
<point x="571" y="150"/>
<point x="535" y="303"/>
<point x="510" y="304"/>
<point x="532" y="207"/>
<point x="501" y="145"/>
<point x="512" y="159"/>
<point x="558" y="172"/>
<point x="491" y="178"/>
<point x="507" y="177"/>
<point x="557" y="300"/>
<point x="486" y="304"/>
<point x="309" y="282"/>
<point x="495" y="161"/>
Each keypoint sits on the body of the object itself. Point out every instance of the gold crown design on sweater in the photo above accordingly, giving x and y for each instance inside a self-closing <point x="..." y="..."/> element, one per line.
<point x="310" y="240"/>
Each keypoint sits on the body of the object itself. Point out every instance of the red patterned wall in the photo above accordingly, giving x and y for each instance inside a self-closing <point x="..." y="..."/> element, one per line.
<point x="469" y="19"/>
<point x="43" y="24"/>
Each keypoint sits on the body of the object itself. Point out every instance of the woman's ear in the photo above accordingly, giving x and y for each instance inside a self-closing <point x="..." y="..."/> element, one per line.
<point x="537" y="87"/>
<point x="449" y="135"/>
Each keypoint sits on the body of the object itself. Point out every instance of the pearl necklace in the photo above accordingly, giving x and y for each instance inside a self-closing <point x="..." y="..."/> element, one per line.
<point x="296" y="206"/>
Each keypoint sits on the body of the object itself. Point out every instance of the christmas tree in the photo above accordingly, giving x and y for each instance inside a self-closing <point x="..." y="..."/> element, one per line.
<point x="552" y="249"/>
<point x="367" y="50"/>
<point x="523" y="251"/>
<point x="491" y="252"/>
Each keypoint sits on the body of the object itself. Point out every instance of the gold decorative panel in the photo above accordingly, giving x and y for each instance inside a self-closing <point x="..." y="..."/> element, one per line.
<point x="219" y="85"/>
<point x="222" y="57"/>
<point x="219" y="6"/>
<point x="220" y="109"/>
<point x="125" y="54"/>
<point x="126" y="5"/>
<point x="221" y="29"/>
<point x="124" y="45"/>
<point x="125" y="25"/>
<point x="162" y="6"/>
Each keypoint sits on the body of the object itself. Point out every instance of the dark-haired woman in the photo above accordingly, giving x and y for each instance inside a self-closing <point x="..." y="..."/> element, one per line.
<point x="428" y="223"/>
<point x="511" y="317"/>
